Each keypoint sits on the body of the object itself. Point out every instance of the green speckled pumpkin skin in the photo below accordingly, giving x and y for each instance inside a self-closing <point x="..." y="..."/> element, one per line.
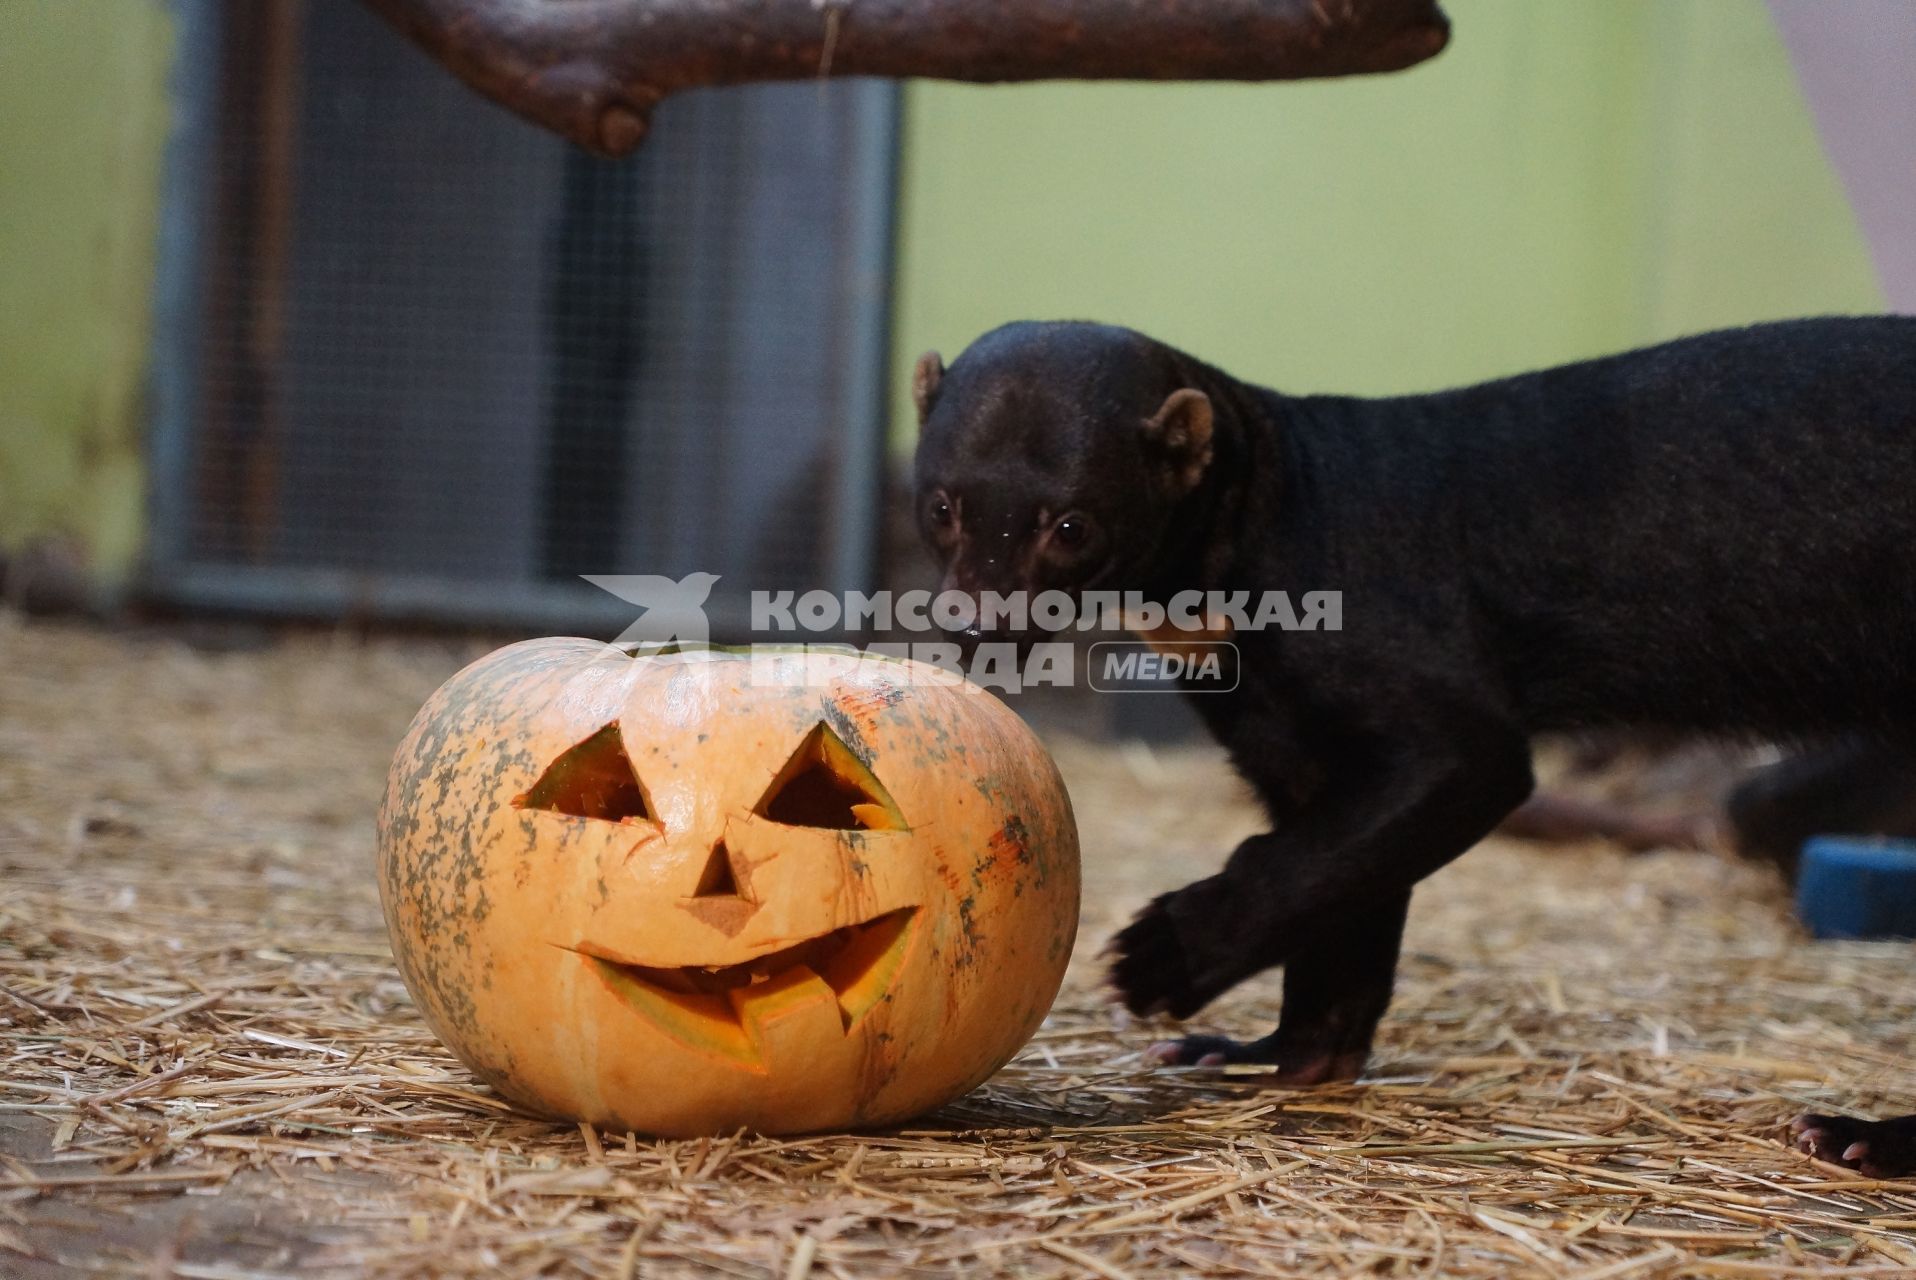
<point x="832" y="976"/>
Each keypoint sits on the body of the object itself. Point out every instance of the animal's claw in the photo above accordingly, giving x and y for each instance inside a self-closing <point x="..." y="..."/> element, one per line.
<point x="1875" y="1148"/>
<point x="1148" y="970"/>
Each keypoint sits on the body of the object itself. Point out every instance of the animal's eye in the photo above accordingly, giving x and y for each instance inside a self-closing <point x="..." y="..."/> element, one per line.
<point x="940" y="511"/>
<point x="1072" y="531"/>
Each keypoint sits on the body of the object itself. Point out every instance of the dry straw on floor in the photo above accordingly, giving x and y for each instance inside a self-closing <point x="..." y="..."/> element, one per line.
<point x="208" y="1068"/>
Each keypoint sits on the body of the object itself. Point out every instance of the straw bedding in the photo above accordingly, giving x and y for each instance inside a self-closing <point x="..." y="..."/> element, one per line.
<point x="209" y="1069"/>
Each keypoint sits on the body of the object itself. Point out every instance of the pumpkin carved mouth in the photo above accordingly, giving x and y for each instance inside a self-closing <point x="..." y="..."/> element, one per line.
<point x="723" y="1009"/>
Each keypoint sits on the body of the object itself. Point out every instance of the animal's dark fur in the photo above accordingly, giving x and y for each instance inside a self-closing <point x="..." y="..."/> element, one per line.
<point x="1713" y="535"/>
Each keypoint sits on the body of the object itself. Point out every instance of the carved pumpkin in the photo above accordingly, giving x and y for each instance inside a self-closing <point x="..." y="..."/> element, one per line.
<point x="686" y="893"/>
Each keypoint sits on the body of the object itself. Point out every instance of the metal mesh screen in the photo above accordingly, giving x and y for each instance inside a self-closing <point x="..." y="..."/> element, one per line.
<point x="441" y="357"/>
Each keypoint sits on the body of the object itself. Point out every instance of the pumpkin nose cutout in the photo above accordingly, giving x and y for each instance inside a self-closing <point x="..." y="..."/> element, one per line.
<point x="719" y="879"/>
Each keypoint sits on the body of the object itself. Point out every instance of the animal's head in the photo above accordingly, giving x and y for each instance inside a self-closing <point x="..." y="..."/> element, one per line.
<point x="1053" y="456"/>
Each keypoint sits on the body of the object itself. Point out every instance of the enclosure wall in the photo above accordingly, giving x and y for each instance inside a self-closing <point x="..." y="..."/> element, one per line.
<point x="83" y="123"/>
<point x="1563" y="180"/>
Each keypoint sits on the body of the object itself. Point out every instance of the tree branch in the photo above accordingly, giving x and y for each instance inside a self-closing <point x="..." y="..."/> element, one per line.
<point x="592" y="70"/>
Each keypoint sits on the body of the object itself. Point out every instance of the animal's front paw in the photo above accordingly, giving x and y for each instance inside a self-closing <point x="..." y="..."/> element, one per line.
<point x="1877" y="1148"/>
<point x="1203" y="1051"/>
<point x="1184" y="950"/>
<point x="1149" y="973"/>
<point x="1292" y="1063"/>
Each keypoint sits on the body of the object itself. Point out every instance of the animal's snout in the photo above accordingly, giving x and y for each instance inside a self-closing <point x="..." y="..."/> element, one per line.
<point x="970" y="616"/>
<point x="958" y="614"/>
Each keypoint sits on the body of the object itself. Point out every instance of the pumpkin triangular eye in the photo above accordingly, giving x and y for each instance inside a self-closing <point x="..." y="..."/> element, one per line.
<point x="825" y="784"/>
<point x="592" y="780"/>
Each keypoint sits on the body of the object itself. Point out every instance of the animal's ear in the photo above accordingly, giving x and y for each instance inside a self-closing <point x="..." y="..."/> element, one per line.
<point x="1179" y="435"/>
<point x="925" y="377"/>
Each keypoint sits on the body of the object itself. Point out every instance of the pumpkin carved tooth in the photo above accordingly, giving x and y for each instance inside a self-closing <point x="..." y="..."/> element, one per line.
<point x="708" y="1007"/>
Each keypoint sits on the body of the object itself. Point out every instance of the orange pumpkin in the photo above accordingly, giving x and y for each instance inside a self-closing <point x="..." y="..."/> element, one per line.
<point x="685" y="893"/>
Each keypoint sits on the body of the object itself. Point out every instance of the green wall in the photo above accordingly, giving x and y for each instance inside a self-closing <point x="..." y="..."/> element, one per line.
<point x="1564" y="180"/>
<point x="83" y="123"/>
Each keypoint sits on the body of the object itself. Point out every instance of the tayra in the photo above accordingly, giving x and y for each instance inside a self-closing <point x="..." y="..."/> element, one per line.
<point x="1713" y="535"/>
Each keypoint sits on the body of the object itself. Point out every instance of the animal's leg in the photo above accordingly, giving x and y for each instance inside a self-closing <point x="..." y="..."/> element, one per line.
<point x="1357" y="846"/>
<point x="1855" y="787"/>
<point x="1336" y="988"/>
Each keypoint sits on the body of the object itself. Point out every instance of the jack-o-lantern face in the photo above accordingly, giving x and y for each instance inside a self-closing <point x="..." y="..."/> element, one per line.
<point x="721" y="1007"/>
<point x="685" y="893"/>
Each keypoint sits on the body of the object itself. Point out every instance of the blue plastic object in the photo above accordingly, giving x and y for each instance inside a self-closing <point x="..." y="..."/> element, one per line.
<point x="1857" y="887"/>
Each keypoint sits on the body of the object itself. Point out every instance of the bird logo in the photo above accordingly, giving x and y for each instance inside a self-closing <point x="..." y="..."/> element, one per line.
<point x="672" y="611"/>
